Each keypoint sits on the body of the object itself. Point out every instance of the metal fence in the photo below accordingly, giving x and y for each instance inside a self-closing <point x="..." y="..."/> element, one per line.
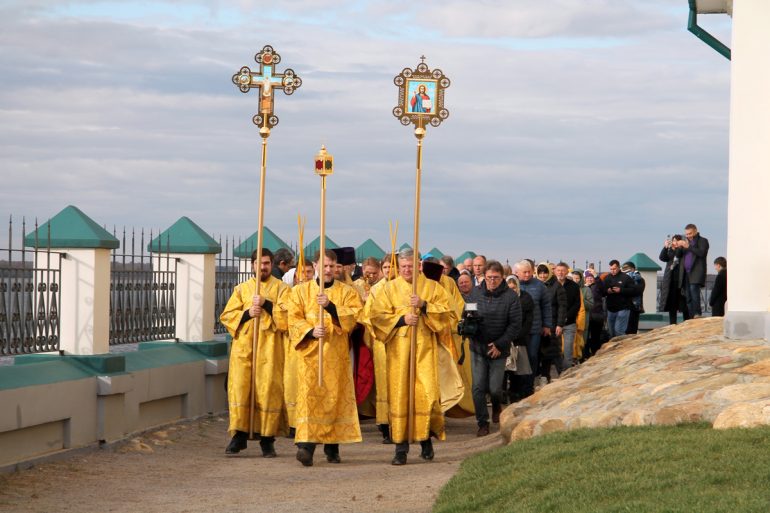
<point x="228" y="276"/>
<point x="142" y="292"/>
<point x="30" y="296"/>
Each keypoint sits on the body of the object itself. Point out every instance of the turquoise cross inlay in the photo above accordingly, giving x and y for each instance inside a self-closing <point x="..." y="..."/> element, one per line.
<point x="266" y="80"/>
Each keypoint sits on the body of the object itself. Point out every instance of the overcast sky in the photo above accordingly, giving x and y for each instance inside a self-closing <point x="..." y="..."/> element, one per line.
<point x="578" y="129"/>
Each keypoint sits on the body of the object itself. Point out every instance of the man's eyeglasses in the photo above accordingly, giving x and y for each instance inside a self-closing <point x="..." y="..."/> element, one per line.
<point x="493" y="278"/>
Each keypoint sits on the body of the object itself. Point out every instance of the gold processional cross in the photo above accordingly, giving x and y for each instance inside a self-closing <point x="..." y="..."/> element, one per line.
<point x="266" y="80"/>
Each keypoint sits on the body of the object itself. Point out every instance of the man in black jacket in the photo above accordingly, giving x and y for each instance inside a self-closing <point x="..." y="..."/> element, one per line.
<point x="500" y="311"/>
<point x="637" y="300"/>
<point x="618" y="288"/>
<point x="718" y="296"/>
<point x="569" y="330"/>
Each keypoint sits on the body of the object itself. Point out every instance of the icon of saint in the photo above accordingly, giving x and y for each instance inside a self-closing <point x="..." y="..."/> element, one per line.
<point x="421" y="102"/>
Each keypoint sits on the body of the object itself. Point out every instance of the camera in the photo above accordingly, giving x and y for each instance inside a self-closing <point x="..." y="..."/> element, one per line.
<point x="470" y="322"/>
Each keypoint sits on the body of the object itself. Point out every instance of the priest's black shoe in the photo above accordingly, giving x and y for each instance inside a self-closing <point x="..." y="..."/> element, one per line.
<point x="427" y="450"/>
<point x="237" y="444"/>
<point x="385" y="430"/>
<point x="268" y="447"/>
<point x="305" y="457"/>
<point x="399" y="459"/>
<point x="332" y="452"/>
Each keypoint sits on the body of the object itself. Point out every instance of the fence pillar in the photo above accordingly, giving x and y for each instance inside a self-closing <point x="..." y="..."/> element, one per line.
<point x="194" y="250"/>
<point x="748" y="232"/>
<point x="85" y="279"/>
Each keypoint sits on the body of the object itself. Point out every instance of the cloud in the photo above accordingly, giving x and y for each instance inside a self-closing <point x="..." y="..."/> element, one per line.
<point x="554" y="149"/>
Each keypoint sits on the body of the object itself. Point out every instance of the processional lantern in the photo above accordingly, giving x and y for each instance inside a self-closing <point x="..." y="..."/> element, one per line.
<point x="323" y="166"/>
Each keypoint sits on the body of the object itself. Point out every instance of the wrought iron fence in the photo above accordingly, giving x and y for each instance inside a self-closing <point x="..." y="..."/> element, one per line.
<point x="228" y="275"/>
<point x="30" y="296"/>
<point x="142" y="292"/>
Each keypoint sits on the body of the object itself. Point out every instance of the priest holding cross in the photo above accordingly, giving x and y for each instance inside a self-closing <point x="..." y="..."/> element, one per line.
<point x="255" y="315"/>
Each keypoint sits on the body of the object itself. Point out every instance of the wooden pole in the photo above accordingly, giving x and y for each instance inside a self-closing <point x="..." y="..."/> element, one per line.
<point x="321" y="278"/>
<point x="419" y="132"/>
<point x="265" y="133"/>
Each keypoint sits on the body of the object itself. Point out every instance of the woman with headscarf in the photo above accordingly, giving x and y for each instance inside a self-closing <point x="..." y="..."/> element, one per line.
<point x="515" y="382"/>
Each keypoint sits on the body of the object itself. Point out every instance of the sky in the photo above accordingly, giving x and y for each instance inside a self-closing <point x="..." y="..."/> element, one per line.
<point x="579" y="130"/>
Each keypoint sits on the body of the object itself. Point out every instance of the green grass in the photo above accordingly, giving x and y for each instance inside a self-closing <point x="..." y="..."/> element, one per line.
<point x="685" y="468"/>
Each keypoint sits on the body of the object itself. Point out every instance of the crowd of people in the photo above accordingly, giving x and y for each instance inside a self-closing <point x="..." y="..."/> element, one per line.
<point x="381" y="340"/>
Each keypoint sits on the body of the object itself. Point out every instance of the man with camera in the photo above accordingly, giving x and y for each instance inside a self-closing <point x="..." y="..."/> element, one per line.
<point x="500" y="312"/>
<point x="696" y="250"/>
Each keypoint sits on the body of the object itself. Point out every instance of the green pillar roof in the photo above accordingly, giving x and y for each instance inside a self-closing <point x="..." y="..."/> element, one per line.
<point x="71" y="228"/>
<point x="270" y="241"/>
<point x="436" y="252"/>
<point x="315" y="245"/>
<point x="184" y="236"/>
<point x="644" y="263"/>
<point x="368" y="249"/>
<point x="467" y="254"/>
<point x="404" y="246"/>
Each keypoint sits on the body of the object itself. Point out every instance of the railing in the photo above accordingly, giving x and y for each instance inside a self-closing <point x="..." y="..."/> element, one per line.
<point x="142" y="293"/>
<point x="228" y="275"/>
<point x="29" y="296"/>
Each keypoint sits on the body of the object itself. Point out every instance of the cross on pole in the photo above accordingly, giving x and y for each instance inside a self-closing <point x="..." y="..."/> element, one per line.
<point x="266" y="80"/>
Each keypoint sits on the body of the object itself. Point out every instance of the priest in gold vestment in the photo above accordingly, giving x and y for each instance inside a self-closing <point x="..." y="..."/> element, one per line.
<point x="238" y="317"/>
<point x="325" y="414"/>
<point x="392" y="319"/>
<point x="290" y="363"/>
<point x="378" y="352"/>
<point x="370" y="276"/>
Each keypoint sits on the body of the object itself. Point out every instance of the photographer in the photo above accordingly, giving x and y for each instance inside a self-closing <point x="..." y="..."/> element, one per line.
<point x="672" y="298"/>
<point x="500" y="310"/>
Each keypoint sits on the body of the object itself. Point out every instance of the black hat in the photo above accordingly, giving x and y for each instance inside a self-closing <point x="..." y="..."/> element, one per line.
<point x="346" y="255"/>
<point x="432" y="270"/>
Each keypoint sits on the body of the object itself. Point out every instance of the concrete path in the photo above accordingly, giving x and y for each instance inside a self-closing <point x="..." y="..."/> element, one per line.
<point x="182" y="468"/>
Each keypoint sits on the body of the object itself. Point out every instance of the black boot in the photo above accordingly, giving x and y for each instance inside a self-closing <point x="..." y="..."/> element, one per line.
<point x="237" y="444"/>
<point x="305" y="453"/>
<point x="427" y="450"/>
<point x="400" y="457"/>
<point x="332" y="452"/>
<point x="267" y="443"/>
<point x="385" y="430"/>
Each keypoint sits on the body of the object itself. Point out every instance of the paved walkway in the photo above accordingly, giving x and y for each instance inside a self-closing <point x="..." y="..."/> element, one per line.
<point x="182" y="468"/>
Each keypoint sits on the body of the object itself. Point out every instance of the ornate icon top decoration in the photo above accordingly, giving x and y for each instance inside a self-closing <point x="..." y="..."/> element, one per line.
<point x="266" y="80"/>
<point x="421" y="96"/>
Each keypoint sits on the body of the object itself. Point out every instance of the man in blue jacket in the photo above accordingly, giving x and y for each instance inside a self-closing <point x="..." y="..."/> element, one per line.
<point x="541" y="317"/>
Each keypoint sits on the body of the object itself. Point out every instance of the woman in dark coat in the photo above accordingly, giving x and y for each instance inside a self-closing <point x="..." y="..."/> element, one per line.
<point x="672" y="299"/>
<point x="514" y="384"/>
